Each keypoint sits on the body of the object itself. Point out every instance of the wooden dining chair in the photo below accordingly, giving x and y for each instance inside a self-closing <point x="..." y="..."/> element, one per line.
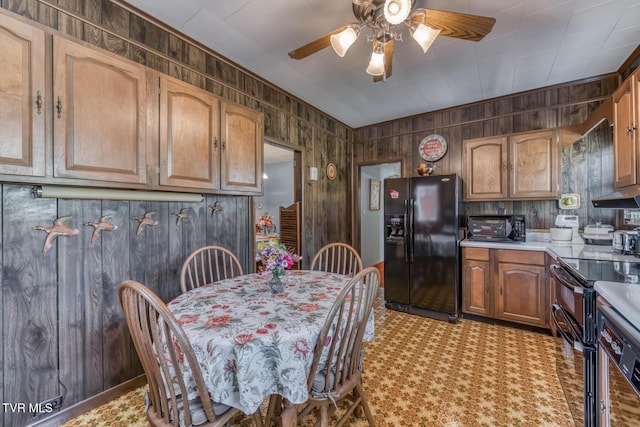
<point x="207" y="265"/>
<point x="340" y="345"/>
<point x="338" y="258"/>
<point x="151" y="325"/>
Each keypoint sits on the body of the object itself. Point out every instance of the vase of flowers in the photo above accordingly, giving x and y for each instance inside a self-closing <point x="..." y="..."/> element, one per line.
<point x="265" y="222"/>
<point x="274" y="260"/>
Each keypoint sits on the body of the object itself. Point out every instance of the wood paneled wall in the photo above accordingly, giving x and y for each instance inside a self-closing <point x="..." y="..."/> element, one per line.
<point x="64" y="328"/>
<point x="321" y="138"/>
<point x="60" y="313"/>
<point x="552" y="107"/>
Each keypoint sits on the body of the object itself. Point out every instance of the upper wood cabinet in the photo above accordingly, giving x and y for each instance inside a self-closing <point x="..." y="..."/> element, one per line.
<point x="22" y="98"/>
<point x="242" y="149"/>
<point x="485" y="168"/>
<point x="189" y="136"/>
<point x="99" y="115"/>
<point x="626" y="116"/>
<point x="115" y="122"/>
<point x="519" y="166"/>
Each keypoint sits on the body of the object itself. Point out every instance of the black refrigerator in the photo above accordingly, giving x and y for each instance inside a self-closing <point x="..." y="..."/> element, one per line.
<point x="421" y="249"/>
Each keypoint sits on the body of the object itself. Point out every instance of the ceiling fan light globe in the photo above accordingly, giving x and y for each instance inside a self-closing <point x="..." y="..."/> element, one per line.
<point x="396" y="11"/>
<point x="342" y="41"/>
<point x="424" y="36"/>
<point x="376" y="64"/>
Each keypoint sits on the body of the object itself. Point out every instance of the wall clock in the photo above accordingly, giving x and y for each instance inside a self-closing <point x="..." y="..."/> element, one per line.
<point x="433" y="147"/>
<point x="331" y="171"/>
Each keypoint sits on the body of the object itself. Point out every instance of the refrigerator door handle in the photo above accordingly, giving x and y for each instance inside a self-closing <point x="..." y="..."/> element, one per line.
<point x="410" y="230"/>
<point x="406" y="231"/>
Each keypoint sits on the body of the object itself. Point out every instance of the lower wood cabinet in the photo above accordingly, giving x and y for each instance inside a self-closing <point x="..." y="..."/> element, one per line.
<point x="476" y="288"/>
<point x="505" y="284"/>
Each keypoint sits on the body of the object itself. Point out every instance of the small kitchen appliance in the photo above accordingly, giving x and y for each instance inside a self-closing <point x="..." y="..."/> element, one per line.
<point x="497" y="228"/>
<point x="598" y="234"/>
<point x="625" y="241"/>
<point x="569" y="221"/>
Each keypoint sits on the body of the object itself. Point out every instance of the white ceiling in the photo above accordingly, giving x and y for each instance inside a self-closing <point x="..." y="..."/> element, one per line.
<point x="533" y="44"/>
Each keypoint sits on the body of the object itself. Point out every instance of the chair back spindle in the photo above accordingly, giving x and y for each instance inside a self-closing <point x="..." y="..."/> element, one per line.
<point x="207" y="265"/>
<point x="338" y="258"/>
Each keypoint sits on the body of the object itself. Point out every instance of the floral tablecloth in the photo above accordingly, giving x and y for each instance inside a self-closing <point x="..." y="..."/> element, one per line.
<point x="252" y="343"/>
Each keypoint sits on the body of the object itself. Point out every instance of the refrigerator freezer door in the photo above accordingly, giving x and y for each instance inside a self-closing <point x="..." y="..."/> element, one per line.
<point x="396" y="267"/>
<point x="434" y="278"/>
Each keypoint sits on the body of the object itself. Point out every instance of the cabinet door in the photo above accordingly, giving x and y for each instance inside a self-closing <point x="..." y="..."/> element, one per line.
<point x="521" y="293"/>
<point x="485" y="168"/>
<point x="624" y="147"/>
<point x="189" y="136"/>
<point x="242" y="149"/>
<point x="533" y="165"/>
<point x="22" y="97"/>
<point x="99" y="115"/>
<point x="476" y="290"/>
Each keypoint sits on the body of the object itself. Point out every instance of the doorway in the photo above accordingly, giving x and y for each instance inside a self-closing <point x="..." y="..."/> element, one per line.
<point x="282" y="188"/>
<point x="371" y="213"/>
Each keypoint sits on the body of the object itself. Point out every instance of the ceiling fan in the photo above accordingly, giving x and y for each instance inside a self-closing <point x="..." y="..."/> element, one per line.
<point x="383" y="18"/>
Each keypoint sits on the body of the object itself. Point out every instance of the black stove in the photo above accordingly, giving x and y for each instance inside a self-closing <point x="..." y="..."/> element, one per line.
<point x="573" y="314"/>
<point x="589" y="271"/>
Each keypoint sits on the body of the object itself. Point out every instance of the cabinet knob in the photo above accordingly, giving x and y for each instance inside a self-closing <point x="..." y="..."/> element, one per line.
<point x="215" y="142"/>
<point x="39" y="102"/>
<point x="504" y="166"/>
<point x="224" y="147"/>
<point x="631" y="129"/>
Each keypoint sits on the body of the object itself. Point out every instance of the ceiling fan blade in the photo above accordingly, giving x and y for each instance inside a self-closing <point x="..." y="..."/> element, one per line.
<point x="388" y="61"/>
<point x="454" y="24"/>
<point x="314" y="46"/>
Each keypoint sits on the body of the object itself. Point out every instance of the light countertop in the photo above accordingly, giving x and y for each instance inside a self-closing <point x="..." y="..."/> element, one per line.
<point x="582" y="251"/>
<point x="625" y="297"/>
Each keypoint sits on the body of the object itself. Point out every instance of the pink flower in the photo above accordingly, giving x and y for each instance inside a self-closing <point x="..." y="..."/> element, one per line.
<point x="264" y="313"/>
<point x="301" y="348"/>
<point x="262" y="331"/>
<point x="218" y="321"/>
<point x="243" y="339"/>
<point x="308" y="307"/>
<point x="188" y="319"/>
<point x="318" y="297"/>
<point x="230" y="366"/>
<point x="270" y="326"/>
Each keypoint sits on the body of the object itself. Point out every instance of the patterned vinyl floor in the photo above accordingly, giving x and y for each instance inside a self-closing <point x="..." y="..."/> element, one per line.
<point x="424" y="372"/>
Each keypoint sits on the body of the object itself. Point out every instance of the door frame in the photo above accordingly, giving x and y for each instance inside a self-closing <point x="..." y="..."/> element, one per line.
<point x="357" y="209"/>
<point x="298" y="188"/>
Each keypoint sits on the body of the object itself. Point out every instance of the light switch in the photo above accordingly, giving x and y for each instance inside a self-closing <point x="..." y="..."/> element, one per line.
<point x="313" y="174"/>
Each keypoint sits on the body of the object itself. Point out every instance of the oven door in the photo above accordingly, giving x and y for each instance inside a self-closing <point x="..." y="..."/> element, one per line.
<point x="575" y="354"/>
<point x="571" y="358"/>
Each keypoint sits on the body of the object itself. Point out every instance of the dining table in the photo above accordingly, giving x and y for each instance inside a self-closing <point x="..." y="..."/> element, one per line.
<point x="251" y="343"/>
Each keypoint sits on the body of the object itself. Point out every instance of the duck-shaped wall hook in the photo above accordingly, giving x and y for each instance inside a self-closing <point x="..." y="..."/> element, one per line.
<point x="183" y="214"/>
<point x="59" y="228"/>
<point x="102" y="224"/>
<point x="145" y="220"/>
<point x="216" y="207"/>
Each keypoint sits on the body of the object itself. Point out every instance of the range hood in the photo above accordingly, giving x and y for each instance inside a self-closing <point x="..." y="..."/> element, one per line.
<point x="625" y="198"/>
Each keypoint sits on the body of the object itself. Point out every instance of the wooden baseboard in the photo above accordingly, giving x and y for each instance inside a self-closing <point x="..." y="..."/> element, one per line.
<point x="91" y="403"/>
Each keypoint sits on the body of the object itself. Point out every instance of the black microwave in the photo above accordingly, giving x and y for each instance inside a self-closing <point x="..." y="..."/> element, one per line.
<point x="501" y="228"/>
